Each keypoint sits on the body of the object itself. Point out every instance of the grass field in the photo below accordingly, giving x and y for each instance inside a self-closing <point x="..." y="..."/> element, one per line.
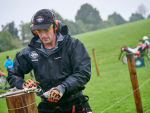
<point x="114" y="83"/>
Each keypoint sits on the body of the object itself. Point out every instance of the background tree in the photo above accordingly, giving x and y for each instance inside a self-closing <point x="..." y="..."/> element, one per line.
<point x="106" y="24"/>
<point x="81" y="26"/>
<point x="5" y="41"/>
<point x="135" y="17"/>
<point x="142" y="10"/>
<point x="74" y="27"/>
<point x="116" y="18"/>
<point x="148" y="16"/>
<point x="88" y="14"/>
<point x="25" y="31"/>
<point x="11" y="29"/>
<point x="58" y="16"/>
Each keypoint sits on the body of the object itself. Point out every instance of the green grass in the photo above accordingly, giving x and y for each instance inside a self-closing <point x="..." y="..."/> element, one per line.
<point x="113" y="83"/>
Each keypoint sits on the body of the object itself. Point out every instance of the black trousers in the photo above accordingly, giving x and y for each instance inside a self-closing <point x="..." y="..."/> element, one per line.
<point x="78" y="105"/>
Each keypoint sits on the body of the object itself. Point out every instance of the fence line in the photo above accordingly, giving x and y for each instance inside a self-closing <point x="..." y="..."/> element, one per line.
<point x="147" y="111"/>
<point x="115" y="70"/>
<point x="126" y="97"/>
<point x="108" y="55"/>
<point x="123" y="97"/>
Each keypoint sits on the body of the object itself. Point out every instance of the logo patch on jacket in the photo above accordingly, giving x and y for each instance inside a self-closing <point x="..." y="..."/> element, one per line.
<point x="33" y="55"/>
<point x="57" y="58"/>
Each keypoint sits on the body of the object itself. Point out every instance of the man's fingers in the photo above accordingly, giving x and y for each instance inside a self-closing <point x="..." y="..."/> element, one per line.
<point x="30" y="83"/>
<point x="54" y="95"/>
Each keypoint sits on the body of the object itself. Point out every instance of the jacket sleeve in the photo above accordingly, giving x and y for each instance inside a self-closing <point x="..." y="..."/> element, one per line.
<point x="81" y="64"/>
<point x="21" y="66"/>
<point x="6" y="64"/>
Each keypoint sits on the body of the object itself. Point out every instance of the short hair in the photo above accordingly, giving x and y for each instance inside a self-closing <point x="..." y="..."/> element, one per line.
<point x="7" y="57"/>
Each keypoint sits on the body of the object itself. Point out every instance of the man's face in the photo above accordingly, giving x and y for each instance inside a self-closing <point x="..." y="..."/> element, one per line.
<point x="47" y="36"/>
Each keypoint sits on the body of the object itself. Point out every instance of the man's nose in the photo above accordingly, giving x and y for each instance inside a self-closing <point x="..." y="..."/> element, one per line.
<point x="43" y="33"/>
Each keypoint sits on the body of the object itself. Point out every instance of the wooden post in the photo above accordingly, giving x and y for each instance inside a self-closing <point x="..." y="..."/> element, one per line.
<point x="134" y="81"/>
<point x="22" y="103"/>
<point x="95" y="62"/>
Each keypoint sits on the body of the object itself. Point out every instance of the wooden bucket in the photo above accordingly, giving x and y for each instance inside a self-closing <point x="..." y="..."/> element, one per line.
<point x="22" y="103"/>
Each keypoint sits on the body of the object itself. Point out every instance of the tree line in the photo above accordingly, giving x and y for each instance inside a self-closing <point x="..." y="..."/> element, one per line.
<point x="87" y="19"/>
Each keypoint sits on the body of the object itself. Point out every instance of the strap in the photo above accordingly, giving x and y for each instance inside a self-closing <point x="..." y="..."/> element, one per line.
<point x="82" y="101"/>
<point x="80" y="105"/>
<point x="71" y="97"/>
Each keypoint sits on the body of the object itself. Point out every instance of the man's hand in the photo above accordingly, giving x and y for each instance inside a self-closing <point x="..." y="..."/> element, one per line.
<point x="9" y="66"/>
<point x="29" y="84"/>
<point x="54" y="94"/>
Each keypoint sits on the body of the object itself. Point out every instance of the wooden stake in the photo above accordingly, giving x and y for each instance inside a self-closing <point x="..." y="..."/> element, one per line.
<point x="134" y="81"/>
<point x="22" y="103"/>
<point x="95" y="62"/>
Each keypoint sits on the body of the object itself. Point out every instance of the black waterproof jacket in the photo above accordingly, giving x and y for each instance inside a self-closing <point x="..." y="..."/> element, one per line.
<point x="69" y="64"/>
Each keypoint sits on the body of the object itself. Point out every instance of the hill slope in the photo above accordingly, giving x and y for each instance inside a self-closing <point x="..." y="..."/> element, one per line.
<point x="111" y="38"/>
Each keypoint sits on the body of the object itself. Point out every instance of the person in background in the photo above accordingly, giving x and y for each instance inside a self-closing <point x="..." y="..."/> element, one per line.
<point x="8" y="63"/>
<point x="61" y="64"/>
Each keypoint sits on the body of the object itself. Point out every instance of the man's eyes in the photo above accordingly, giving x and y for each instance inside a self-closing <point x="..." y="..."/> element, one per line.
<point x="46" y="30"/>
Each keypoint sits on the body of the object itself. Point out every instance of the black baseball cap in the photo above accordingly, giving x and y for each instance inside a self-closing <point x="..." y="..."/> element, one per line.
<point x="43" y="19"/>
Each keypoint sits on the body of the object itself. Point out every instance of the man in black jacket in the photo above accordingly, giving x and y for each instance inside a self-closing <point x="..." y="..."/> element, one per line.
<point x="61" y="65"/>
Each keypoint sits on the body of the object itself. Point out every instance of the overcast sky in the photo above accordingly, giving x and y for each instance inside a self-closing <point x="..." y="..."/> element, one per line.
<point x="23" y="10"/>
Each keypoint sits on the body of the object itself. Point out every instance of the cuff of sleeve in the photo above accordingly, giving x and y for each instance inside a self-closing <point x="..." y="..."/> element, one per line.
<point x="62" y="89"/>
<point x="66" y="86"/>
<point x="23" y="85"/>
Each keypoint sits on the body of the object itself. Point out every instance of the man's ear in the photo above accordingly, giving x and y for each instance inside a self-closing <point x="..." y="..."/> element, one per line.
<point x="34" y="33"/>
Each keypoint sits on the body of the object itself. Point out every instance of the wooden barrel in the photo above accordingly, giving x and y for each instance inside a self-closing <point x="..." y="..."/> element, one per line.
<point x="22" y="103"/>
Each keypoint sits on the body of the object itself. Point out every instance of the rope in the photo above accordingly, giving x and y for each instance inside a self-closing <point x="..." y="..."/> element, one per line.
<point x="23" y="107"/>
<point x="127" y="96"/>
<point x="108" y="55"/>
<point x="147" y="111"/>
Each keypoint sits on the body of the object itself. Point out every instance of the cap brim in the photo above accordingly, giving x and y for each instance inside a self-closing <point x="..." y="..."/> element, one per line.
<point x="41" y="26"/>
